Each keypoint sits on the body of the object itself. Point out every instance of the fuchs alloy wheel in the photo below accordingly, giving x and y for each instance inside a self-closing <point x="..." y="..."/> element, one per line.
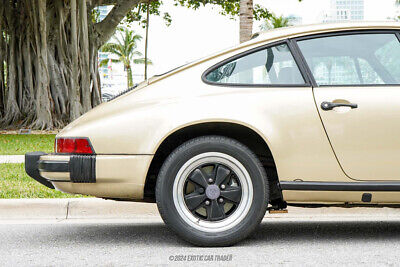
<point x="212" y="191"/>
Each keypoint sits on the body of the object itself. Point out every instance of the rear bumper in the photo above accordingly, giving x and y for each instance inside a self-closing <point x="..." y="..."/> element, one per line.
<point x="45" y="168"/>
<point x="32" y="168"/>
<point x="113" y="176"/>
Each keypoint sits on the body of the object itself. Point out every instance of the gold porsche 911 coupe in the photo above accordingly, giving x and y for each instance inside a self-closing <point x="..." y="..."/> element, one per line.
<point x="300" y="115"/>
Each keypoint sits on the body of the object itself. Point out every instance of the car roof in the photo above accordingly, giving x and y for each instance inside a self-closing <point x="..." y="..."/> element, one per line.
<point x="291" y="32"/>
<point x="304" y="30"/>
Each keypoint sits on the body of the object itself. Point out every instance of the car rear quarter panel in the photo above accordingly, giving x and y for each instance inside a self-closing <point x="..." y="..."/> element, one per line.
<point x="286" y="118"/>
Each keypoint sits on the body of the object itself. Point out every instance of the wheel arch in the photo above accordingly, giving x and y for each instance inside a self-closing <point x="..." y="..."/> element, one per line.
<point x="246" y="134"/>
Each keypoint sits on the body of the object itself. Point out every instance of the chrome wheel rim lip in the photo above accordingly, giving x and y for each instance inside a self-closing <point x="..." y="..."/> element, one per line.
<point x="245" y="203"/>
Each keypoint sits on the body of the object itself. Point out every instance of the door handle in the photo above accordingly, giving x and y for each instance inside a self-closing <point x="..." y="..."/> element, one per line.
<point x="330" y="105"/>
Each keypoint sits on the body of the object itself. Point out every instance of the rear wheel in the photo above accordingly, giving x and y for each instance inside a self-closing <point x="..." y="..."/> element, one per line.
<point x="212" y="191"/>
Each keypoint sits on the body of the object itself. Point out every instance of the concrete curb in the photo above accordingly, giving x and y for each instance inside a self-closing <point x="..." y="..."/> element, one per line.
<point x="14" y="209"/>
<point x="109" y="209"/>
<point x="94" y="208"/>
<point x="73" y="208"/>
<point x="12" y="158"/>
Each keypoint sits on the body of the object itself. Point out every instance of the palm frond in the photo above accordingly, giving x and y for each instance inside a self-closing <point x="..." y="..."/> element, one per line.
<point x="137" y="53"/>
<point x="104" y="62"/>
<point x="276" y="22"/>
<point x="112" y="48"/>
<point x="142" y="61"/>
<point x="124" y="46"/>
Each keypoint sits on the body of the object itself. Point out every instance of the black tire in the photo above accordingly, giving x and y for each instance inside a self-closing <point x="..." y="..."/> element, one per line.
<point x="192" y="148"/>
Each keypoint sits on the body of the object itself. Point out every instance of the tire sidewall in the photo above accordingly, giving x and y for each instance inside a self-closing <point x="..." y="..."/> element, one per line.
<point x="170" y="169"/>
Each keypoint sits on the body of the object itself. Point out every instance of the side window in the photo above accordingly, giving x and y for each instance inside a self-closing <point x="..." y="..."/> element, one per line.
<point x="368" y="74"/>
<point x="354" y="59"/>
<point x="334" y="70"/>
<point x="389" y="56"/>
<point x="273" y="65"/>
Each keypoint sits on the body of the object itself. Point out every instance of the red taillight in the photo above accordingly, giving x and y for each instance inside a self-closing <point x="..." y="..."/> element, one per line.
<point x="73" y="146"/>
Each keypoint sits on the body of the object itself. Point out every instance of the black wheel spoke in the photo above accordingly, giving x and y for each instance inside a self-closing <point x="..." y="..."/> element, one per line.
<point x="215" y="211"/>
<point x="212" y="191"/>
<point x="199" y="178"/>
<point x="232" y="193"/>
<point x="221" y="174"/>
<point x="194" y="200"/>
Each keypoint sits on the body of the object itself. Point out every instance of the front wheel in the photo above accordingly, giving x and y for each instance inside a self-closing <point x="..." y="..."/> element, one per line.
<point x="212" y="191"/>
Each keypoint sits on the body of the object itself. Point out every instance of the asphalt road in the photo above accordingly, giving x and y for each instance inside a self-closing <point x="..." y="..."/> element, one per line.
<point x="149" y="242"/>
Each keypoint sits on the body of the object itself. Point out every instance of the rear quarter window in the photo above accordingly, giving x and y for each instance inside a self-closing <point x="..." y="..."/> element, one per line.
<point x="274" y="65"/>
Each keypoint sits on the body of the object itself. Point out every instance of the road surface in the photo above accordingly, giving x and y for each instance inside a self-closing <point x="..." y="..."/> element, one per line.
<point x="147" y="241"/>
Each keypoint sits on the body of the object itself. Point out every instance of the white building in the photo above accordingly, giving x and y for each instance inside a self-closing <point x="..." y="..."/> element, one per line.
<point x="345" y="10"/>
<point x="103" y="12"/>
<point x="112" y="75"/>
<point x="397" y="13"/>
<point x="295" y="20"/>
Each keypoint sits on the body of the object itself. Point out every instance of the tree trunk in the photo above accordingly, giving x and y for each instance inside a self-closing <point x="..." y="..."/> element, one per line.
<point x="84" y="42"/>
<point x="43" y="114"/>
<point x="2" y="59"/>
<point x="246" y="20"/>
<point x="28" y="77"/>
<point x="129" y="77"/>
<point x="12" y="112"/>
<point x="74" y="108"/>
<point x="48" y="59"/>
<point x="94" y="74"/>
<point x="146" y="45"/>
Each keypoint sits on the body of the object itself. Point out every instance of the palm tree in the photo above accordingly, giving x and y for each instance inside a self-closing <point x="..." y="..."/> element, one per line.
<point x="276" y="22"/>
<point x="397" y="17"/>
<point x="246" y="20"/>
<point x="125" y="48"/>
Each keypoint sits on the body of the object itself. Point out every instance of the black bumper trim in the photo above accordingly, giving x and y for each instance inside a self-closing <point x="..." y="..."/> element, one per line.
<point x="82" y="168"/>
<point x="342" y="186"/>
<point x="32" y="168"/>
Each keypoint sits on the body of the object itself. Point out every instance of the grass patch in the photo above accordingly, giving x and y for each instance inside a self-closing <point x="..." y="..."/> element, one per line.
<point x="16" y="144"/>
<point x="15" y="183"/>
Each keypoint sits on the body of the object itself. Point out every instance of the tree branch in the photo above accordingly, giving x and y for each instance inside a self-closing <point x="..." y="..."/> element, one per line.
<point x="95" y="3"/>
<point x="103" y="2"/>
<point x="105" y="29"/>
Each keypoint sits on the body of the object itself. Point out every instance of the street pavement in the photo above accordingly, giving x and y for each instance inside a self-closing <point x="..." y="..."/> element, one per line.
<point x="311" y="239"/>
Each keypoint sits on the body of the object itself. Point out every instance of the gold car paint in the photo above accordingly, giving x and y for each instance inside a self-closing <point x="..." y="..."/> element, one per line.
<point x="117" y="176"/>
<point x="366" y="139"/>
<point x="131" y="191"/>
<point x="56" y="176"/>
<point x="285" y="117"/>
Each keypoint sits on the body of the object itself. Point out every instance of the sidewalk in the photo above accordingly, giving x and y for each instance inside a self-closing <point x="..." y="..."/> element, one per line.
<point x="73" y="208"/>
<point x="95" y="208"/>
<point x="12" y="159"/>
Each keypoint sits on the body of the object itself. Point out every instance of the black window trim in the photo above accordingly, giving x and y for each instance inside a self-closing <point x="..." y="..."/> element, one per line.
<point x="303" y="61"/>
<point x="341" y="33"/>
<point x="299" y="64"/>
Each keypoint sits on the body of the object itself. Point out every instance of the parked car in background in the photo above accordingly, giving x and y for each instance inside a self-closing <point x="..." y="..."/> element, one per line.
<point x="300" y="115"/>
<point x="105" y="97"/>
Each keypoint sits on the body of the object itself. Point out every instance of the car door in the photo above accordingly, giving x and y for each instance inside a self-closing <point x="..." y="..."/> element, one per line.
<point x="357" y="93"/>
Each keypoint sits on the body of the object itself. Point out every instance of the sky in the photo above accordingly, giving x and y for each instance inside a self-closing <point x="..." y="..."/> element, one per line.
<point x="197" y="33"/>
